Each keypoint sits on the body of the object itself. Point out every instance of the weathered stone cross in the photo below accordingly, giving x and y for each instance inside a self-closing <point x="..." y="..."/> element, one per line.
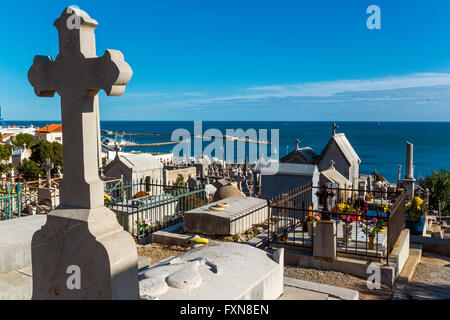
<point x="77" y="75"/>
<point x="48" y="166"/>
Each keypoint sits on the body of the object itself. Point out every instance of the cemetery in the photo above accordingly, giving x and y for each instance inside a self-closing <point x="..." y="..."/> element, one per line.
<point x="317" y="211"/>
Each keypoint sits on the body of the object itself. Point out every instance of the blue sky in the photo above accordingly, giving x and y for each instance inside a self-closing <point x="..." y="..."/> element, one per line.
<point x="246" y="59"/>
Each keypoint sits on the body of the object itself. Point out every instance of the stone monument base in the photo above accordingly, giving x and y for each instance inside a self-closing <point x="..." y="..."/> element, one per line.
<point x="325" y="240"/>
<point x="84" y="254"/>
<point x="217" y="271"/>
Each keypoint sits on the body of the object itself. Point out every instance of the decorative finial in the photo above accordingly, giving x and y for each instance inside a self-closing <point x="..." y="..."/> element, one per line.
<point x="332" y="163"/>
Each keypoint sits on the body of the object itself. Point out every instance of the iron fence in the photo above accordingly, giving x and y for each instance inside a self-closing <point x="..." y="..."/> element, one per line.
<point x="366" y="224"/>
<point x="147" y="206"/>
<point x="10" y="202"/>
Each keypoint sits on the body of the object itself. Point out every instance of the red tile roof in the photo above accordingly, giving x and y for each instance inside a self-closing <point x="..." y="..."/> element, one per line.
<point x="54" y="127"/>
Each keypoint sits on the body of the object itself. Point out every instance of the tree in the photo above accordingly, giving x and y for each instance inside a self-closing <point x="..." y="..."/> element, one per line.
<point x="22" y="138"/>
<point x="44" y="149"/>
<point x="5" y="152"/>
<point x="5" y="168"/>
<point x="30" y="169"/>
<point x="439" y="185"/>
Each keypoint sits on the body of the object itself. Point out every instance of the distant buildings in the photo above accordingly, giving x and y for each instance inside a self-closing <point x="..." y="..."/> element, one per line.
<point x="135" y="167"/>
<point x="50" y="133"/>
<point x="337" y="164"/>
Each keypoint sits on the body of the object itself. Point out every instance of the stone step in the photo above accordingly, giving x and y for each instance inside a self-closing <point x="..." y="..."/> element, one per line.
<point x="15" y="241"/>
<point x="415" y="255"/>
<point x="294" y="293"/>
<point x="330" y="291"/>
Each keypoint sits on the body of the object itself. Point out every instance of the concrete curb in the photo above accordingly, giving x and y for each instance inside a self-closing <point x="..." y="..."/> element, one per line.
<point x="337" y="292"/>
<point x="434" y="245"/>
<point x="415" y="255"/>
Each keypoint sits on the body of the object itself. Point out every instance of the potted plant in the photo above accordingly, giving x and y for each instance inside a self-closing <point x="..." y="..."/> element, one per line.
<point x="143" y="227"/>
<point x="311" y="220"/>
<point x="415" y="216"/>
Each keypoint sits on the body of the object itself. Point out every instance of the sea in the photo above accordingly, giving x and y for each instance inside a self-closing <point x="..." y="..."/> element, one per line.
<point x="380" y="145"/>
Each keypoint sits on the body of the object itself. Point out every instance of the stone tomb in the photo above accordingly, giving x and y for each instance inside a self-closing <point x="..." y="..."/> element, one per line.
<point x="218" y="271"/>
<point x="239" y="217"/>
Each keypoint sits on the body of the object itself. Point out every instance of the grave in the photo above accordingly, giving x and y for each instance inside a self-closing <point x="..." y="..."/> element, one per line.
<point x="159" y="210"/>
<point x="218" y="271"/>
<point x="81" y="238"/>
<point x="239" y="216"/>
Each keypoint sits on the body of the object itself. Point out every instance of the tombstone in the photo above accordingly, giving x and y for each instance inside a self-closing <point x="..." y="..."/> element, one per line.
<point x="81" y="252"/>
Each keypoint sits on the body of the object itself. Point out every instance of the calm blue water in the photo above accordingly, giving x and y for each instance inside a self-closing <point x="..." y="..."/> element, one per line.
<point x="381" y="147"/>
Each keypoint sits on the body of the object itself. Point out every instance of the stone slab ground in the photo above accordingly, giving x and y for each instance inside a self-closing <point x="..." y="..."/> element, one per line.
<point x="431" y="281"/>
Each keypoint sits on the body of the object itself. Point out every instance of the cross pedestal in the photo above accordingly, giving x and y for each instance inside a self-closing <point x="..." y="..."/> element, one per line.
<point x="82" y="252"/>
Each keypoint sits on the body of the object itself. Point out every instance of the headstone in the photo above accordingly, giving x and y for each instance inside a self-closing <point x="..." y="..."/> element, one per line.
<point x="48" y="166"/>
<point x="82" y="252"/>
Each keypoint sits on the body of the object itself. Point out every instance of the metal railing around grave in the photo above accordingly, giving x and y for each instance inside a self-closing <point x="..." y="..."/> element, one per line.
<point x="144" y="207"/>
<point x="10" y="202"/>
<point x="356" y="213"/>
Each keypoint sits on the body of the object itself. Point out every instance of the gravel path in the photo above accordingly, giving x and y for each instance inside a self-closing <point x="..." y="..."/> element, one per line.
<point x="158" y="252"/>
<point x="339" y="279"/>
<point x="431" y="281"/>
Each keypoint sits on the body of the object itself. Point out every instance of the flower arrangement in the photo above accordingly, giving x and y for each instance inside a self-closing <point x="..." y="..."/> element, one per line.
<point x="143" y="226"/>
<point x="343" y="208"/>
<point x="373" y="228"/>
<point x="313" y="217"/>
<point x="348" y="219"/>
<point x="346" y="208"/>
<point x="415" y="209"/>
<point x="369" y="197"/>
<point x="361" y="204"/>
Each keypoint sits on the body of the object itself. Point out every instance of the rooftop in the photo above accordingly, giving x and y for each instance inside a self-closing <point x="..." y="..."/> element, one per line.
<point x="54" y="127"/>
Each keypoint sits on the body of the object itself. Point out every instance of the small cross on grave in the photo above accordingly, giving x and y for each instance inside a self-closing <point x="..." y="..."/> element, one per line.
<point x="48" y="166"/>
<point x="323" y="194"/>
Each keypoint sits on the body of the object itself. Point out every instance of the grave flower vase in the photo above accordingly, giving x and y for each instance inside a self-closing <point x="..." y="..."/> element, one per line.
<point x="371" y="242"/>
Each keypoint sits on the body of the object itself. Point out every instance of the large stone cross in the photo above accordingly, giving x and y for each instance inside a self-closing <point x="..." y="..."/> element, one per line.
<point x="77" y="75"/>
